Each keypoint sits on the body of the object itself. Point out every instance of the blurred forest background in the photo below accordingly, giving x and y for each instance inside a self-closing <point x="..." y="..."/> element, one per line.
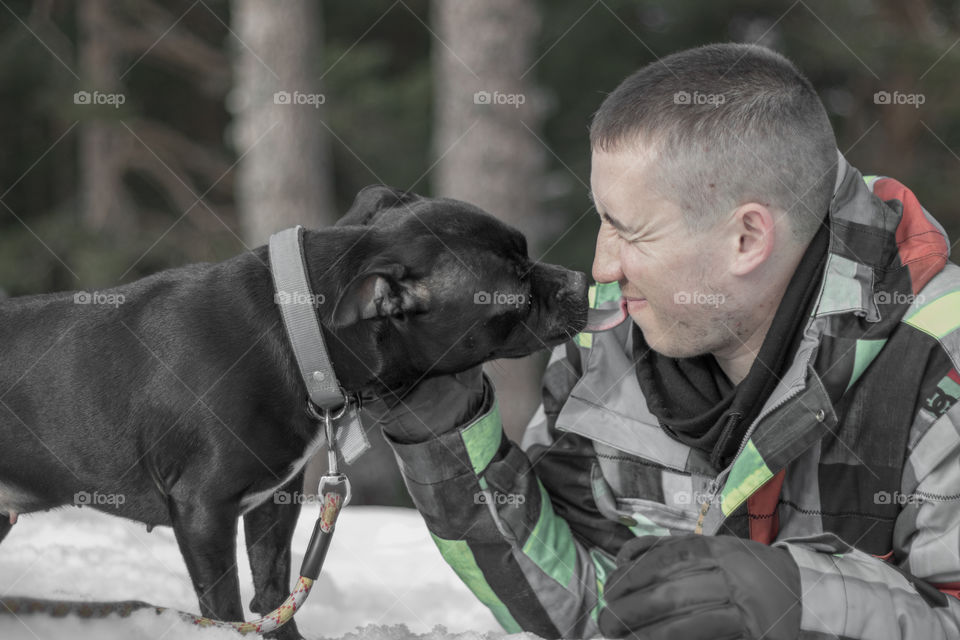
<point x="140" y="134"/>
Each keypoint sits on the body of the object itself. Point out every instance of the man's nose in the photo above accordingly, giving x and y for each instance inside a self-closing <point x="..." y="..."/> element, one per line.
<point x="606" y="260"/>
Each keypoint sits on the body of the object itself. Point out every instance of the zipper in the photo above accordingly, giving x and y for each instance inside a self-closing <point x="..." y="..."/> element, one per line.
<point x="725" y="435"/>
<point x="720" y="480"/>
<point x="779" y="403"/>
<point x="711" y="494"/>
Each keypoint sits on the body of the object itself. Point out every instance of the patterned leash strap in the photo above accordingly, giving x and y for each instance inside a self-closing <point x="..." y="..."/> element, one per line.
<point x="335" y="490"/>
<point x="273" y="620"/>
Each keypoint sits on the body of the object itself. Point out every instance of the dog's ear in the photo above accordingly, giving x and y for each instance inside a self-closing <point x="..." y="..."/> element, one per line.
<point x="372" y="200"/>
<point x="377" y="293"/>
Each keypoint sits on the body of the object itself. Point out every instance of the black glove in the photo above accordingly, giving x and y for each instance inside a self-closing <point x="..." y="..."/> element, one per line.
<point x="431" y="408"/>
<point x="702" y="588"/>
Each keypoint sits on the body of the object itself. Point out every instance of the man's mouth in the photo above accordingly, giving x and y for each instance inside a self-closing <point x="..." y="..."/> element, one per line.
<point x="635" y="303"/>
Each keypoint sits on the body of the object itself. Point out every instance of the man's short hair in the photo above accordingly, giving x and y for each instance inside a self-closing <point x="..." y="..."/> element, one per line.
<point x="728" y="124"/>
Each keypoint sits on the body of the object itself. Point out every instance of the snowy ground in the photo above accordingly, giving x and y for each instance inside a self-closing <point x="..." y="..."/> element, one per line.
<point x="383" y="579"/>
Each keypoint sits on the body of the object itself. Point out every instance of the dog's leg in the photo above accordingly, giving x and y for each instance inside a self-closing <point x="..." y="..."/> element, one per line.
<point x="5" y="526"/>
<point x="269" y="530"/>
<point x="207" y="537"/>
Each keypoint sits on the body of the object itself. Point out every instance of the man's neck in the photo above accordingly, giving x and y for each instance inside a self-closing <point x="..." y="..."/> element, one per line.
<point x="736" y="363"/>
<point x="736" y="360"/>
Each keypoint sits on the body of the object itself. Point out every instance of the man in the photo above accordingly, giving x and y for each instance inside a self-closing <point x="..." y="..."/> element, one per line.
<point x="770" y="448"/>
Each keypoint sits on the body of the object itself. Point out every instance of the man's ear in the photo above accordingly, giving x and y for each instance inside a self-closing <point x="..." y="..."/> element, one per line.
<point x="754" y="236"/>
<point x="378" y="293"/>
<point x="372" y="200"/>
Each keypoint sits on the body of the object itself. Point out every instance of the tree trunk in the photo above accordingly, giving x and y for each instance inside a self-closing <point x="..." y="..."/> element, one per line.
<point x="488" y="118"/>
<point x="105" y="204"/>
<point x="283" y="177"/>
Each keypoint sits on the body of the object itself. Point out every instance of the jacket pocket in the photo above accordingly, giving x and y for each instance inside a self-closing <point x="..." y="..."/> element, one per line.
<point x="643" y="517"/>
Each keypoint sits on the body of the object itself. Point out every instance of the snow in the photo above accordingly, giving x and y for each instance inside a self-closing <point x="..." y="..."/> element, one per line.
<point x="383" y="579"/>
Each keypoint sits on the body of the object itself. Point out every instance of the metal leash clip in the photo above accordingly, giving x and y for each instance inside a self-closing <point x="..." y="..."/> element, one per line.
<point x="333" y="478"/>
<point x="334" y="491"/>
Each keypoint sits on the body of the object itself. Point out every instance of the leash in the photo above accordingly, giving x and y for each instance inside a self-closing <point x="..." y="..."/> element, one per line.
<point x="327" y="403"/>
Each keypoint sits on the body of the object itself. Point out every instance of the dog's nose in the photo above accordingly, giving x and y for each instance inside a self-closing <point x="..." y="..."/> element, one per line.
<point x="578" y="282"/>
<point x="573" y="287"/>
<point x="558" y="284"/>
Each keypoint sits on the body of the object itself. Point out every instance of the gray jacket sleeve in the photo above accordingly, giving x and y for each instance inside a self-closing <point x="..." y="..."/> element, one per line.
<point x="520" y="543"/>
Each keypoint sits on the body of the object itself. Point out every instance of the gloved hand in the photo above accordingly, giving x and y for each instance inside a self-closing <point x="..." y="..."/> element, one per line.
<point x="702" y="588"/>
<point x="431" y="408"/>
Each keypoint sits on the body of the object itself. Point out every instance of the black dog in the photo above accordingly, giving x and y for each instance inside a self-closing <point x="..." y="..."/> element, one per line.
<point x="175" y="400"/>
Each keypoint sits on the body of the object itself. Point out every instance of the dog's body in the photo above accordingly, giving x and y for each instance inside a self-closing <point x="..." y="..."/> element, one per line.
<point x="180" y="403"/>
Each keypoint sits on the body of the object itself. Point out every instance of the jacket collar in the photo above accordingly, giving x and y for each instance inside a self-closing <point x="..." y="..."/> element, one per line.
<point x="878" y="228"/>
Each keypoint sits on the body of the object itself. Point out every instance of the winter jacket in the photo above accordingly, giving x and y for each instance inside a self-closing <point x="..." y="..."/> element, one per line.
<point x="853" y="465"/>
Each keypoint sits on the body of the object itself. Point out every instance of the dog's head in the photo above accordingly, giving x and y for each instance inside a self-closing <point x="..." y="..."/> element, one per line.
<point x="432" y="286"/>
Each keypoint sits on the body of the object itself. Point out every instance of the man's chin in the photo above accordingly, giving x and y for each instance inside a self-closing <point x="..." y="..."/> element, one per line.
<point x="640" y="319"/>
<point x="664" y="346"/>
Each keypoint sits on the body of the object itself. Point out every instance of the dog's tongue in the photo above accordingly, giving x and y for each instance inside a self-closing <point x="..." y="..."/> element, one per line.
<point x="605" y="319"/>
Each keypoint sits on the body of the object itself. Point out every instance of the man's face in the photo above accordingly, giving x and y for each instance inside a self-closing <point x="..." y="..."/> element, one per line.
<point x="672" y="278"/>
